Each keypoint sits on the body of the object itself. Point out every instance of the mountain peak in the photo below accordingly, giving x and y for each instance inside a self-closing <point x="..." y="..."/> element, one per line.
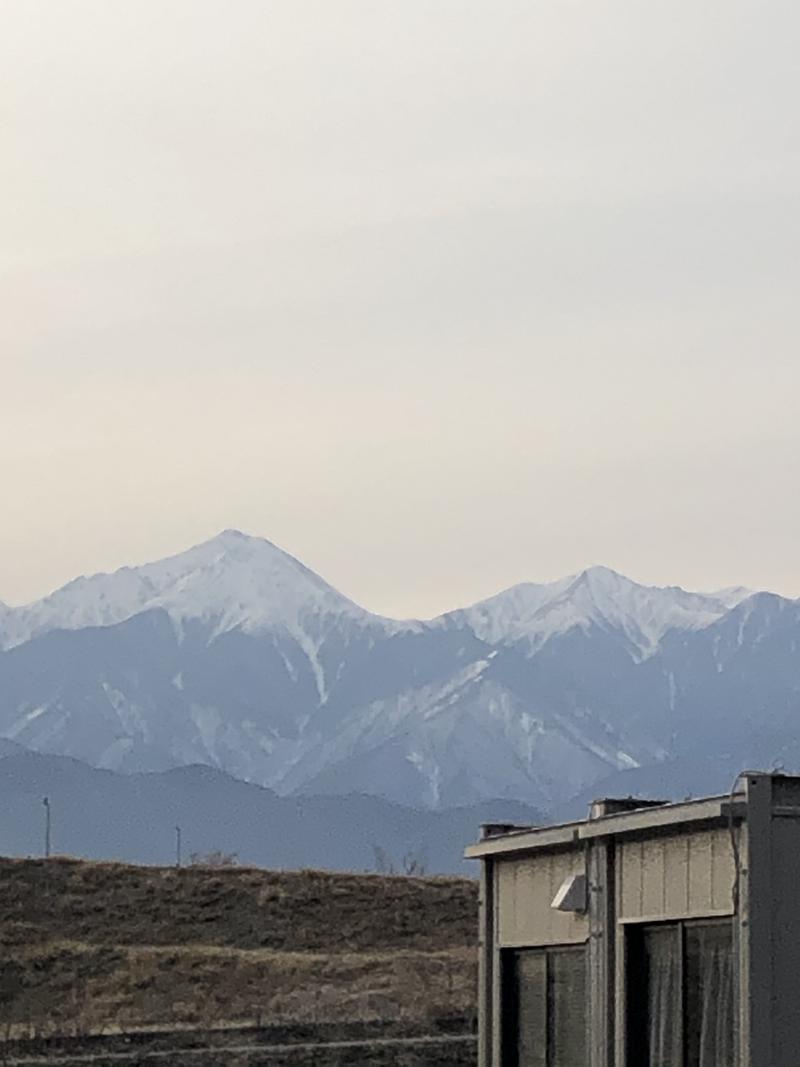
<point x="232" y="580"/>
<point x="603" y="579"/>
<point x="602" y="573"/>
<point x="234" y="542"/>
<point x="237" y="539"/>
<point x="231" y="539"/>
<point x="595" y="597"/>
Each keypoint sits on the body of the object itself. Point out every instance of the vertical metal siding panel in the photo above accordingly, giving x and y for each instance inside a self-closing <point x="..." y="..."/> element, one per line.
<point x="526" y="887"/>
<point x="699" y="874"/>
<point x="541" y="917"/>
<point x="540" y="913"/>
<point x="506" y="902"/>
<point x="631" y="903"/>
<point x="527" y="880"/>
<point x="535" y="903"/>
<point x="515" y="901"/>
<point x="653" y="878"/>
<point x="676" y="876"/>
<point x="723" y="873"/>
<point x="639" y="853"/>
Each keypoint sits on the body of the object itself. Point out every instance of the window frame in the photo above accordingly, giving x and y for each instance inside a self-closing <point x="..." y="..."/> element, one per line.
<point x="509" y="997"/>
<point x="635" y="986"/>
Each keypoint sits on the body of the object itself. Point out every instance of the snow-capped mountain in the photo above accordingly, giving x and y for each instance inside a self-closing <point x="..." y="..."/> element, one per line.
<point x="232" y="581"/>
<point x="598" y="597"/>
<point x="236" y="655"/>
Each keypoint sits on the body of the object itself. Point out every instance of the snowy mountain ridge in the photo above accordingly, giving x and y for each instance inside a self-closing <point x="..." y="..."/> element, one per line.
<point x="238" y="581"/>
<point x="235" y="655"/>
<point x="596" y="597"/>
<point x="233" y="581"/>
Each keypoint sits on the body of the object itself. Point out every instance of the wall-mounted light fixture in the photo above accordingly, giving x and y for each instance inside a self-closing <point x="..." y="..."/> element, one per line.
<point x="572" y="894"/>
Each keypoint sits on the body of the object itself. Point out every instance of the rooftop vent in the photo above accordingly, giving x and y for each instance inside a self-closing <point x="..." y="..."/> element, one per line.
<point x="498" y="829"/>
<point x="617" y="805"/>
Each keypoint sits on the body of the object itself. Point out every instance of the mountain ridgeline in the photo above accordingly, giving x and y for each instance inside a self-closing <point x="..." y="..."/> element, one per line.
<point x="235" y="655"/>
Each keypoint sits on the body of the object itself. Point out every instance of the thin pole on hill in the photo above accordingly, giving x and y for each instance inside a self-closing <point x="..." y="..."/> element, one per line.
<point x="177" y="846"/>
<point x="46" y="802"/>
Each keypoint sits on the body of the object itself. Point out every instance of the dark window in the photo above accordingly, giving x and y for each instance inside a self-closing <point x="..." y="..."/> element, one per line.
<point x="544" y="1000"/>
<point x="709" y="995"/>
<point x="567" y="1008"/>
<point x="680" y="995"/>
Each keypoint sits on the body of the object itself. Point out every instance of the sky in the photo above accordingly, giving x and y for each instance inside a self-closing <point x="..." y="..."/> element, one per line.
<point x="439" y="295"/>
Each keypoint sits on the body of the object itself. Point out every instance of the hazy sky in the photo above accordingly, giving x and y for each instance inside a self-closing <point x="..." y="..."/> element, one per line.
<point x="439" y="295"/>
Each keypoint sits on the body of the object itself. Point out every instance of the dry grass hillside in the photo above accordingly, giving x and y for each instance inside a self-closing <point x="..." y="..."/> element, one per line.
<point x="97" y="946"/>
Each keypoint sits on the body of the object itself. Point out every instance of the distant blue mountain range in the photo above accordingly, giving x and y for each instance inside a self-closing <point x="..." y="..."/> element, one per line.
<point x="236" y="656"/>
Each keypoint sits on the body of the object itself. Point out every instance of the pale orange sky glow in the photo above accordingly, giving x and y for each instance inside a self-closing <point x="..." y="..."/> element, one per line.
<point x="438" y="296"/>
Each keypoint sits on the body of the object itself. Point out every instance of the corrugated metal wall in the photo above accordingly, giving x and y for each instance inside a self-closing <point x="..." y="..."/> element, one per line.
<point x="675" y="876"/>
<point x="525" y="891"/>
<point x="672" y="876"/>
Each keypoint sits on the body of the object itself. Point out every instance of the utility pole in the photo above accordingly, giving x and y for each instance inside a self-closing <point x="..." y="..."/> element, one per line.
<point x="177" y="846"/>
<point x="46" y="802"/>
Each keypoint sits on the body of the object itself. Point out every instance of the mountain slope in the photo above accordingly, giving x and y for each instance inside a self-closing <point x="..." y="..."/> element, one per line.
<point x="235" y="655"/>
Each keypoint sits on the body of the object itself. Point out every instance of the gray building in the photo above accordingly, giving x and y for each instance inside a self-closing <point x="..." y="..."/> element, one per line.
<point x="648" y="935"/>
